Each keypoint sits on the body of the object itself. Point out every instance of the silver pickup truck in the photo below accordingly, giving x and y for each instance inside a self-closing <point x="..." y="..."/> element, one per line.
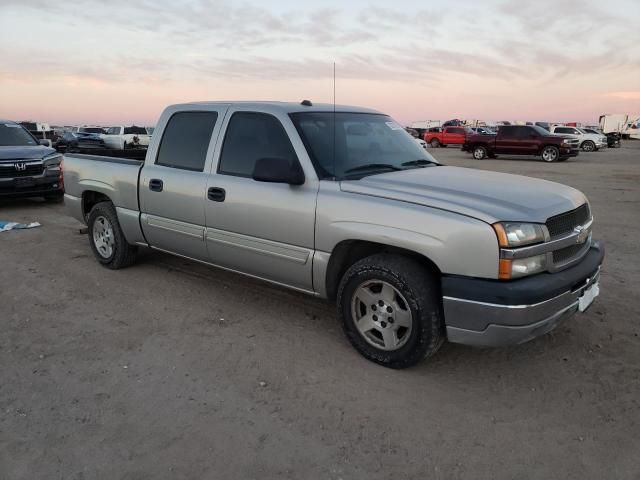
<point x="341" y="203"/>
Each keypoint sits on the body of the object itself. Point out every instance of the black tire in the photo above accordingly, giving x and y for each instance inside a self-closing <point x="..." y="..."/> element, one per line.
<point x="123" y="254"/>
<point x="588" y="146"/>
<point x="550" y="153"/>
<point x="479" y="152"/>
<point x="420" y="289"/>
<point x="435" y="143"/>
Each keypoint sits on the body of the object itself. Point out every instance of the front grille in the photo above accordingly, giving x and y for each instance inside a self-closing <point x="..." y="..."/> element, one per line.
<point x="564" y="223"/>
<point x="568" y="253"/>
<point x="9" y="171"/>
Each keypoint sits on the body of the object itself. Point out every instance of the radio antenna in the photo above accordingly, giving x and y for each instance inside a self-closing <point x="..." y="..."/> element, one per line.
<point x="334" y="119"/>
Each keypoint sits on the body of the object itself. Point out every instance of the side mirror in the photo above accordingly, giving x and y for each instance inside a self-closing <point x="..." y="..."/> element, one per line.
<point x="45" y="142"/>
<point x="278" y="170"/>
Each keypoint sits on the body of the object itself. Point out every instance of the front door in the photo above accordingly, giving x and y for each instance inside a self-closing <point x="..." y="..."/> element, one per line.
<point x="262" y="229"/>
<point x="173" y="188"/>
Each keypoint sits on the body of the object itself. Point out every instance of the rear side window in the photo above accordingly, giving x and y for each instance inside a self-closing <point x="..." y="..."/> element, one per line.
<point x="251" y="136"/>
<point x="185" y="140"/>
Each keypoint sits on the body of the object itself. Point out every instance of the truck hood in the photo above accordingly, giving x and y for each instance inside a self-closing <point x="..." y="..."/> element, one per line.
<point x="26" y="152"/>
<point x="488" y="196"/>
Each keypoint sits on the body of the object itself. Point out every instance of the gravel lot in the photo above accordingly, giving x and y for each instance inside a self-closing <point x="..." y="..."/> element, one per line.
<point x="170" y="369"/>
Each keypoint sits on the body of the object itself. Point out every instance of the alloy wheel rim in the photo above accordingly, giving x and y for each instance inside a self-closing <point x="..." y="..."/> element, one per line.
<point x="549" y="155"/>
<point x="381" y="315"/>
<point x="103" y="237"/>
<point x="478" y="154"/>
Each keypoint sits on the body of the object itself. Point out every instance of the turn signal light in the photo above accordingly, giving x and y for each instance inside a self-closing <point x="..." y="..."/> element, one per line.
<point x="504" y="271"/>
<point x="503" y="240"/>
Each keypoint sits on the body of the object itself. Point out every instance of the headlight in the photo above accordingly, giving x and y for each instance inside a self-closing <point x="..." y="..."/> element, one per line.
<point x="522" y="267"/>
<point x="512" y="235"/>
<point x="566" y="141"/>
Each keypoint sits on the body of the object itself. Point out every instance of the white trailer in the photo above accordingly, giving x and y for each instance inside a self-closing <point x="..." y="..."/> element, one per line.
<point x="613" y="122"/>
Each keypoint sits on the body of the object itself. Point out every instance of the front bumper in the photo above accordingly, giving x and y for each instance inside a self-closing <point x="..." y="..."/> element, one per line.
<point x="493" y="313"/>
<point x="569" y="151"/>
<point x="31" y="186"/>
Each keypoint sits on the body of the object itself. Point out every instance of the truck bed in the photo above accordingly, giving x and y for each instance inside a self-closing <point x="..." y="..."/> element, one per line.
<point x="117" y="178"/>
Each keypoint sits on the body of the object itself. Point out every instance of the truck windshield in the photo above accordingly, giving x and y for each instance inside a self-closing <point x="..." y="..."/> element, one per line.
<point x="14" y="135"/>
<point x="364" y="144"/>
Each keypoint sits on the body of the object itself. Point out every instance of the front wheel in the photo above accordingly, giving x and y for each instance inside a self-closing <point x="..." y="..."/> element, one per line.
<point x="435" y="143"/>
<point x="107" y="241"/>
<point x="390" y="310"/>
<point x="479" y="152"/>
<point x="588" y="146"/>
<point x="550" y="153"/>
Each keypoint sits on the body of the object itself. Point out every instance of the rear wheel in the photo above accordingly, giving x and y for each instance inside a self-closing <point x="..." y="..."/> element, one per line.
<point x="479" y="152"/>
<point x="588" y="146"/>
<point x="390" y="310"/>
<point x="550" y="153"/>
<point x="107" y="241"/>
<point x="435" y="143"/>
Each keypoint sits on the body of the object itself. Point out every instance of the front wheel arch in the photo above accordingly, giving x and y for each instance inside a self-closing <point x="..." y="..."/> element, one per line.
<point x="348" y="252"/>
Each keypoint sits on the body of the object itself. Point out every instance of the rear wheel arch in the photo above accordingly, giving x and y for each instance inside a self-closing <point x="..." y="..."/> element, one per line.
<point x="91" y="198"/>
<point x="348" y="252"/>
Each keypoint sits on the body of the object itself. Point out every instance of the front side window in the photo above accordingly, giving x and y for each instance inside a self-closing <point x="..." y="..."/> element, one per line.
<point x="12" y="134"/>
<point x="351" y="145"/>
<point x="185" y="140"/>
<point x="251" y="136"/>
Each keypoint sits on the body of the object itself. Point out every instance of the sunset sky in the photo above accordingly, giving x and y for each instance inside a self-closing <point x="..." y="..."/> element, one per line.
<point x="117" y="61"/>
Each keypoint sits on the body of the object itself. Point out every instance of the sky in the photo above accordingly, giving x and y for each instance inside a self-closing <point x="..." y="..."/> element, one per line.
<point x="122" y="61"/>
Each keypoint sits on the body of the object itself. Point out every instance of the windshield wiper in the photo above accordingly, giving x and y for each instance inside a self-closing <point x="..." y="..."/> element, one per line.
<point x="373" y="166"/>
<point x="419" y="163"/>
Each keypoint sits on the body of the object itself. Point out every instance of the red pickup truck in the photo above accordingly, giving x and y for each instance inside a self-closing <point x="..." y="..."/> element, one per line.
<point x="447" y="136"/>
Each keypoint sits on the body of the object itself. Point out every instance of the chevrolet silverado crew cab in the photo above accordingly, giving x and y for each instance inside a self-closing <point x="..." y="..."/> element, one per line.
<point x="28" y="167"/>
<point x="345" y="205"/>
<point x="522" y="140"/>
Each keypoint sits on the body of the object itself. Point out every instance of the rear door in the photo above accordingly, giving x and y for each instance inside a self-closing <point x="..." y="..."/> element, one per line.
<point x="528" y="140"/>
<point x="173" y="183"/>
<point x="262" y="229"/>
<point x="507" y="140"/>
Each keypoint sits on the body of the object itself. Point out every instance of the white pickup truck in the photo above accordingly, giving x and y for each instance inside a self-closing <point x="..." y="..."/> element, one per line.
<point x="341" y="203"/>
<point x="122" y="138"/>
<point x="589" y="142"/>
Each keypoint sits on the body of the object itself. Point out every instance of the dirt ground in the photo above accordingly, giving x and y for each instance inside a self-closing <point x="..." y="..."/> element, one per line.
<point x="172" y="370"/>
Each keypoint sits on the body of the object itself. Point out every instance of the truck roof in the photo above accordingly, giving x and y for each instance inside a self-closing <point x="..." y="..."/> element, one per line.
<point x="281" y="107"/>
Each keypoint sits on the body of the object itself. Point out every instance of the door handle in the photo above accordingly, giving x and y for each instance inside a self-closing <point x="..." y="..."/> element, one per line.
<point x="156" y="185"/>
<point x="216" y="194"/>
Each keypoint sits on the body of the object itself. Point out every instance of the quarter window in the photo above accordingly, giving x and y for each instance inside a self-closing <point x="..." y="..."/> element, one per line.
<point x="185" y="140"/>
<point x="251" y="136"/>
